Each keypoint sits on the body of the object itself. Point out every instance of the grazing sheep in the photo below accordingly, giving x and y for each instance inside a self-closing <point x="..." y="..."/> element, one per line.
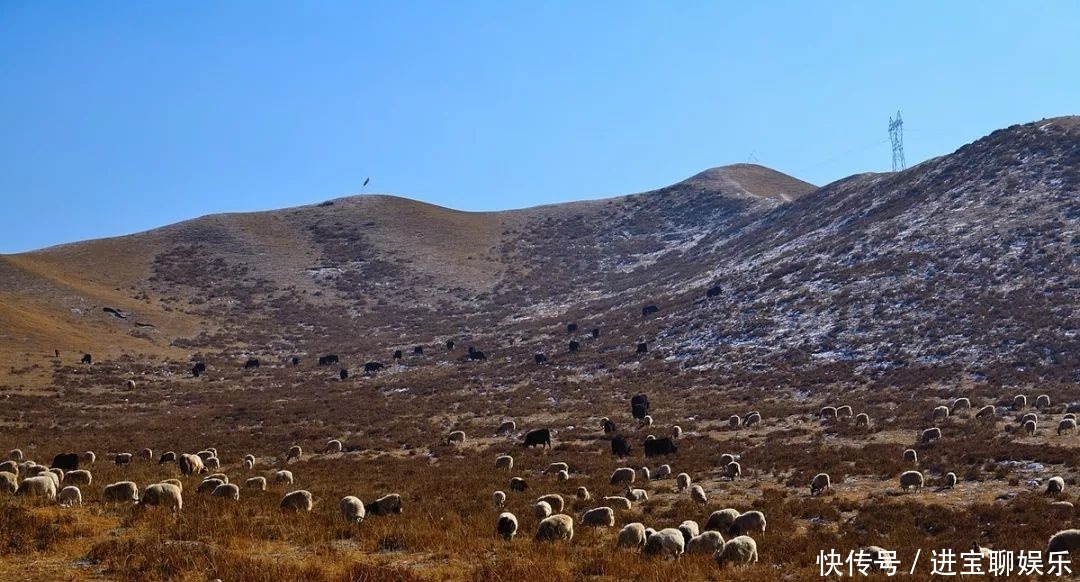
<point x="862" y="419"/>
<point x="1066" y="425"/>
<point x="455" y="438"/>
<point x="352" y="509"/>
<point x="1055" y="485"/>
<point x="294" y="452"/>
<point x="15" y="455"/>
<point x="499" y="499"/>
<point x="256" y="483"/>
<point x="689" y="529"/>
<point x="1029" y="427"/>
<point x="662" y="472"/>
<point x="506" y="526"/>
<point x="1027" y="417"/>
<point x="827" y="413"/>
<point x="147" y="454"/>
<point x="1019" y="402"/>
<point x="504" y="462"/>
<point x="167" y="457"/>
<point x="506" y="427"/>
<point x="725" y="459"/>
<point x="248" y="465"/>
<point x="227" y="490"/>
<point x="733" y="470"/>
<point x="622" y="476"/>
<point x="283" y="476"/>
<point x="123" y="458"/>
<point x="751" y="419"/>
<point x="676" y="432"/>
<point x="220" y="476"/>
<point x="190" y="464"/>
<point x="940" y="412"/>
<point x="1067" y="540"/>
<point x="599" y="517"/>
<point x="78" y="477"/>
<point x="556" y="527"/>
<point x="1063" y="508"/>
<point x="556" y="467"/>
<point x="33" y="470"/>
<point x="208" y="485"/>
<point x="961" y="404"/>
<point x="950" y="480"/>
<point x="518" y="484"/>
<point x="385" y="505"/>
<point x="212" y="463"/>
<point x="617" y="502"/>
<point x="636" y="495"/>
<point x="1071" y="415"/>
<point x="643" y="474"/>
<point x="734" y="421"/>
<point x="930" y="434"/>
<point x="741" y="550"/>
<point x="120" y="491"/>
<point x="987" y="412"/>
<point x="9" y="482"/>
<point x="583" y="494"/>
<point x="554" y="500"/>
<point x="708" y="542"/>
<point x="821" y="482"/>
<point x="911" y="456"/>
<point x="205" y="454"/>
<point x="910" y="479"/>
<point x="175" y="482"/>
<point x="750" y="521"/>
<point x="10" y="467"/>
<point x="721" y="520"/>
<point x="647" y="421"/>
<point x="562" y="476"/>
<point x="59" y="474"/>
<point x="631" y="536"/>
<point x="299" y="500"/>
<point x="163" y="494"/>
<point x="88" y="457"/>
<point x="682" y="482"/>
<point x="697" y="495"/>
<point x="70" y="495"/>
<point x="667" y="542"/>
<point x="250" y="457"/>
<point x="39" y="486"/>
<point x="332" y="446"/>
<point x="1042" y="401"/>
<point x="650" y="437"/>
<point x="844" y="411"/>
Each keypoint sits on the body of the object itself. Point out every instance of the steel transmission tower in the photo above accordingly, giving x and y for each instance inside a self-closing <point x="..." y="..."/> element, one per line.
<point x="896" y="136"/>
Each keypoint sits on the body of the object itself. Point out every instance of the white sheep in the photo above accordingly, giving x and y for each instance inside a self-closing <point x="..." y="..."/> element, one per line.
<point x="506" y="526"/>
<point x="950" y="480"/>
<point x="175" y="482"/>
<point x="689" y="529"/>
<point x="821" y="482"/>
<point x="844" y="411"/>
<point x="741" y="550"/>
<point x="583" y="494"/>
<point x="556" y="527"/>
<point x="631" y="536"/>
<point x="70" y="495"/>
<point x="1019" y="402"/>
<point x="1042" y="401"/>
<point x="554" y="500"/>
<point x="251" y="458"/>
<point x="662" y="472"/>
<point x="827" y="413"/>
<point x="622" y="476"/>
<point x="209" y="484"/>
<point x="120" y="491"/>
<point x="332" y="446"/>
<point x="163" y="494"/>
<point x="248" y="464"/>
<point x="9" y="482"/>
<point x="909" y="479"/>
<point x="734" y="422"/>
<point x="499" y="499"/>
<point x="961" y="404"/>
<point x="598" y="517"/>
<point x="352" y="509"/>
<point x="987" y="412"/>
<point x="676" y="432"/>
<point x="205" y="454"/>
<point x="1027" y="417"/>
<point x="556" y="467"/>
<point x="752" y="418"/>
<point x="749" y="521"/>
<point x="647" y="421"/>
<point x="697" y="495"/>
<point x="385" y="505"/>
<point x="15" y="455"/>
<point x="617" y="502"/>
<point x="682" y="482"/>
<point x="256" y="483"/>
<point x="88" y="457"/>
<point x="668" y="542"/>
<point x="10" y="467"/>
<point x="930" y="434"/>
<point x="146" y="454"/>
<point x="1055" y="485"/>
<point x="911" y="456"/>
<point x="862" y="419"/>
<point x="940" y="412"/>
<point x="219" y="476"/>
<point x="38" y="486"/>
<point x="562" y="476"/>
<point x="78" y="477"/>
<point x="299" y="500"/>
<point x="504" y="462"/>
<point x="1067" y="541"/>
<point x="636" y="495"/>
<point x="643" y="474"/>
<point x="284" y="476"/>
<point x="456" y="437"/>
<point x="295" y="452"/>
<point x="1030" y="427"/>
<point x="708" y="542"/>
<point x="227" y="491"/>
<point x="721" y="520"/>
<point x="733" y="470"/>
<point x="190" y="464"/>
<point x="1066" y="425"/>
<point x="506" y="427"/>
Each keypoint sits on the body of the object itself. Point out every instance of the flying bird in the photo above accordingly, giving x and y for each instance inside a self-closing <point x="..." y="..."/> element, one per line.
<point x="366" y="180"/>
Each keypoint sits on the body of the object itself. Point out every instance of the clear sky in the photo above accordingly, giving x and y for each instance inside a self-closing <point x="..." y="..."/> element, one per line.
<point x="117" y="117"/>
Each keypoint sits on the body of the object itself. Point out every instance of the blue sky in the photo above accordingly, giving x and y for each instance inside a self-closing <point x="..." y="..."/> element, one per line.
<point x="117" y="117"/>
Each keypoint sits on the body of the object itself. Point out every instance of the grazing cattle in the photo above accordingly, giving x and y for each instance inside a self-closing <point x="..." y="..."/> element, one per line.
<point x="642" y="347"/>
<point x="343" y="374"/>
<point x="251" y="363"/>
<point x="609" y="426"/>
<point x="397" y="354"/>
<point x="596" y="332"/>
<point x="449" y="345"/>
<point x="540" y="436"/>
<point x="475" y="354"/>
<point x="66" y="461"/>
<point x="664" y="446"/>
<point x="649" y="309"/>
<point x="619" y="447"/>
<point x="372" y="367"/>
<point x="639" y="406"/>
<point x="540" y="358"/>
<point x="571" y="328"/>
<point x="713" y="291"/>
<point x="418" y="350"/>
<point x="328" y="359"/>
<point x="87" y="359"/>
<point x="574" y="345"/>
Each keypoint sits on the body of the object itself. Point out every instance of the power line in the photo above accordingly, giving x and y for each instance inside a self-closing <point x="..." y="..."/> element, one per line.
<point x="896" y="136"/>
